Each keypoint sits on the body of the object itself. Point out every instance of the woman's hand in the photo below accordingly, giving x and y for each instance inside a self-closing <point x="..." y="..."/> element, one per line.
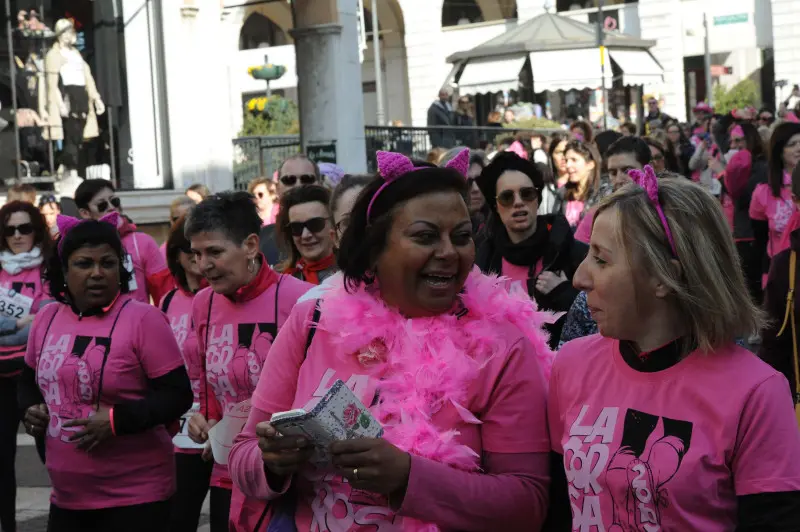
<point x="373" y="464"/>
<point x="95" y="429"/>
<point x="716" y="165"/>
<point x="24" y="322"/>
<point x="37" y="418"/>
<point x="547" y="281"/>
<point x="283" y="456"/>
<point x="199" y="427"/>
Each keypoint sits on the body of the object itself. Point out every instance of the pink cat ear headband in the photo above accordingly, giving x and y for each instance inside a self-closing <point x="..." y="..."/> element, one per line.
<point x="68" y="223"/>
<point x="393" y="165"/>
<point x="647" y="179"/>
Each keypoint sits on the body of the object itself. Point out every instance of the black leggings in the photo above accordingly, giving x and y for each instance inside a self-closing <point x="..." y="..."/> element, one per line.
<point x="193" y="477"/>
<point x="220" y="509"/>
<point x="9" y="423"/>
<point x="149" y="517"/>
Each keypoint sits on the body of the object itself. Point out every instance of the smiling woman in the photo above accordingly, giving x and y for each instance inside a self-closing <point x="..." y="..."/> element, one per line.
<point x="410" y="303"/>
<point x="306" y="234"/>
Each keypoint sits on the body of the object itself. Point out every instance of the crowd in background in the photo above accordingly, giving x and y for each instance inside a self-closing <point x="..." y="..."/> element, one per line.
<point x="545" y="332"/>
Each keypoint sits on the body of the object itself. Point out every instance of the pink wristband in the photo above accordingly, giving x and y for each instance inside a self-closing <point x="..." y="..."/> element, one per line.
<point x="111" y="420"/>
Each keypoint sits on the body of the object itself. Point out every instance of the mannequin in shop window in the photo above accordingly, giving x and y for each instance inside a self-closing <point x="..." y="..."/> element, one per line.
<point x="73" y="102"/>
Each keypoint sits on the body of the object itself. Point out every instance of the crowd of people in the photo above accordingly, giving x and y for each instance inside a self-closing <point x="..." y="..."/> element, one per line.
<point x="553" y="337"/>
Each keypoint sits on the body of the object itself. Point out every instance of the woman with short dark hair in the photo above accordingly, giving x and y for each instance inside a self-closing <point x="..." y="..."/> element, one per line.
<point x="236" y="318"/>
<point x="306" y="234"/>
<point x="410" y="304"/>
<point x="104" y="379"/>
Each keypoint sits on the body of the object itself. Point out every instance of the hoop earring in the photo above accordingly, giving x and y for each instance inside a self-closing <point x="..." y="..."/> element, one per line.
<point x="251" y="266"/>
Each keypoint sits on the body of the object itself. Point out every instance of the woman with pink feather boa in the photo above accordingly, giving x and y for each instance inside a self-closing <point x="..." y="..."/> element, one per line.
<point x="452" y="365"/>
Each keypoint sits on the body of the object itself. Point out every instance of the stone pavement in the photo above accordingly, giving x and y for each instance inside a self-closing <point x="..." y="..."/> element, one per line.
<point x="33" y="491"/>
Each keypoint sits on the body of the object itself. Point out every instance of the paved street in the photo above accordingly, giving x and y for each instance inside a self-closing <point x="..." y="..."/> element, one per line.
<point x="33" y="493"/>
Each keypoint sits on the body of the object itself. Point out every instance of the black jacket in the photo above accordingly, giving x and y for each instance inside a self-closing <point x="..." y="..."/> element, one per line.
<point x="563" y="254"/>
<point x="268" y="242"/>
<point x="439" y="115"/>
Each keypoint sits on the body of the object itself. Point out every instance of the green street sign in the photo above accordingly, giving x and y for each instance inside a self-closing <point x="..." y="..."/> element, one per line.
<point x="724" y="20"/>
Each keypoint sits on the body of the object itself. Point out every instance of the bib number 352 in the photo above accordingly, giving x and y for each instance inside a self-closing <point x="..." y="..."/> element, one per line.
<point x="14" y="305"/>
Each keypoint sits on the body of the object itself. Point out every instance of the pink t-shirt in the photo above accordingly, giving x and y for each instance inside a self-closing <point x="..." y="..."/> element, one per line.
<point x="239" y="339"/>
<point x="584" y="231"/>
<point x="519" y="275"/>
<point x="67" y="353"/>
<point x="776" y="211"/>
<point x="163" y="250"/>
<point x="507" y="398"/>
<point x="179" y="314"/>
<point x="573" y="212"/>
<point x="146" y="260"/>
<point x="669" y="450"/>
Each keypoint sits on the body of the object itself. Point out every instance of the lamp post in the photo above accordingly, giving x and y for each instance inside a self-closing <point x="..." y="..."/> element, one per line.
<point x="376" y="57"/>
<point x="601" y="39"/>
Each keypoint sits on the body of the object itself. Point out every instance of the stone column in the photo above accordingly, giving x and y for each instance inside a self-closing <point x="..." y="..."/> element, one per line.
<point x="786" y="44"/>
<point x="329" y="79"/>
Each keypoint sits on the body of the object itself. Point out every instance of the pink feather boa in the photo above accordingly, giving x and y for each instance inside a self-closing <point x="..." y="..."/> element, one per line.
<point x="425" y="363"/>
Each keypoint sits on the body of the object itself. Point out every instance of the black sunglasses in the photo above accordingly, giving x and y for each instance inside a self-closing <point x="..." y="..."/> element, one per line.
<point x="11" y="230"/>
<point x="305" y="179"/>
<point x="102" y="206"/>
<point x="314" y="225"/>
<point x="526" y="194"/>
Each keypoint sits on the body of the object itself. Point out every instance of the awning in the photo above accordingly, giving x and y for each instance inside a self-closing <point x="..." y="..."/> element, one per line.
<point x="638" y="67"/>
<point x="568" y="69"/>
<point x="491" y="75"/>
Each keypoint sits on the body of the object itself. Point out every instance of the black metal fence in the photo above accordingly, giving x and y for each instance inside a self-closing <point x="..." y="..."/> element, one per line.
<point x="261" y="156"/>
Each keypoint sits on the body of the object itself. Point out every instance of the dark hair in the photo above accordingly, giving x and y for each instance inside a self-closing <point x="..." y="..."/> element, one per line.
<point x="605" y="139"/>
<point x="502" y="163"/>
<point x="88" y="189"/>
<point x="477" y="158"/>
<point x="231" y="213"/>
<point x="364" y="240"/>
<point x="555" y="139"/>
<point x="796" y="181"/>
<point x="589" y="153"/>
<point x="633" y="145"/>
<point x="752" y="139"/>
<point x="297" y="196"/>
<point x="300" y="157"/>
<point x="630" y="127"/>
<point x="547" y="173"/>
<point x="41" y="234"/>
<point x="47" y="199"/>
<point x="200" y="189"/>
<point x="88" y="233"/>
<point x="668" y="152"/>
<point x="585" y="127"/>
<point x="348" y="182"/>
<point x="177" y="240"/>
<point x="780" y="137"/>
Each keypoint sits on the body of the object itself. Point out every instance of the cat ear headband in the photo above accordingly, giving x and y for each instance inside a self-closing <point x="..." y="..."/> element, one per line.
<point x="647" y="179"/>
<point x="68" y="223"/>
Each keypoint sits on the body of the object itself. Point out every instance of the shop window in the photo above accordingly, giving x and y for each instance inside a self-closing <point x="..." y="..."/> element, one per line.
<point x="78" y="112"/>
<point x="260" y="32"/>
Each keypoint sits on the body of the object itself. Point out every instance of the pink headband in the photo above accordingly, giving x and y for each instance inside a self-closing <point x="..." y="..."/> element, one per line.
<point x="392" y="166"/>
<point x="647" y="179"/>
<point x="68" y="223"/>
<point x="737" y="131"/>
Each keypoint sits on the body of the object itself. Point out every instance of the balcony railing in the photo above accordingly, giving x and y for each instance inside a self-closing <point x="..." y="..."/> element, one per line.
<point x="262" y="156"/>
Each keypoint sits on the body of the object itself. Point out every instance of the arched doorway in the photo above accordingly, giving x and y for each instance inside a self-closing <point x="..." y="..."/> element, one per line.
<point x="461" y="12"/>
<point x="259" y="31"/>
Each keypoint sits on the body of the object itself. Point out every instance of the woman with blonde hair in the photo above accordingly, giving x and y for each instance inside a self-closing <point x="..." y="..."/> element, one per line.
<point x="687" y="431"/>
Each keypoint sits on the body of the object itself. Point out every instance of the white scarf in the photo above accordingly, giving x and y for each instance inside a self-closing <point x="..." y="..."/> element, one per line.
<point x="15" y="263"/>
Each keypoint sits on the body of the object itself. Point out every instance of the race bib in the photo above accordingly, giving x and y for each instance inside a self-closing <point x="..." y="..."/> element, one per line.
<point x="13" y="304"/>
<point x="182" y="440"/>
<point x="128" y="263"/>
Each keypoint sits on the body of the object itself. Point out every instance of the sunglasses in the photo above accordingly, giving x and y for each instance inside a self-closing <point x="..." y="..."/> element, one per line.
<point x="526" y="194"/>
<point x="658" y="157"/>
<point x="102" y="206"/>
<point x="305" y="179"/>
<point x="314" y="225"/>
<point x="765" y="118"/>
<point x="11" y="230"/>
<point x="342" y="224"/>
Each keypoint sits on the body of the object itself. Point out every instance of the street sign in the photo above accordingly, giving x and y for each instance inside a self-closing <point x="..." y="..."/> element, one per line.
<point x="322" y="153"/>
<point x="737" y="18"/>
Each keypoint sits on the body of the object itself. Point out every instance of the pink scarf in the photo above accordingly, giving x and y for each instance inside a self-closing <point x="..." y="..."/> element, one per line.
<point x="443" y="354"/>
